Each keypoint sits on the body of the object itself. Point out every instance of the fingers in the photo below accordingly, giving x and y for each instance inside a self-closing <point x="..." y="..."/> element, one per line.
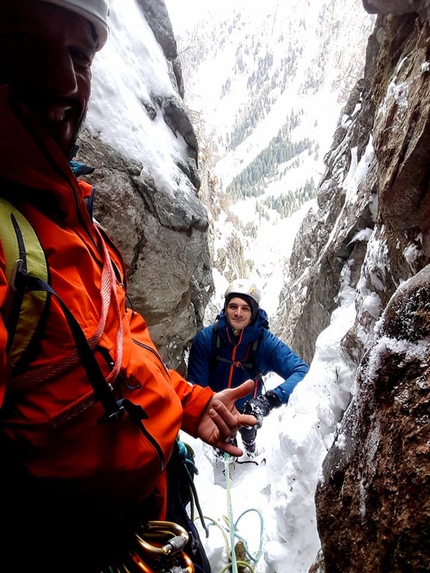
<point x="243" y="390"/>
<point x="246" y="420"/>
<point x="228" y="422"/>
<point x="227" y="419"/>
<point x="224" y="420"/>
<point x="230" y="449"/>
<point x="225" y="434"/>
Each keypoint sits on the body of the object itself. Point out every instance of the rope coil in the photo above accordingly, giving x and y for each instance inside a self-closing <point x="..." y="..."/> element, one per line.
<point x="230" y="533"/>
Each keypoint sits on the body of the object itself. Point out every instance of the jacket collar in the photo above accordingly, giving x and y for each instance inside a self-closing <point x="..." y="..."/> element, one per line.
<point x="31" y="160"/>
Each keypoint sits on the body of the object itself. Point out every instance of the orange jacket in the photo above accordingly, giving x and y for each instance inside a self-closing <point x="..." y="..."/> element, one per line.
<point x="49" y="415"/>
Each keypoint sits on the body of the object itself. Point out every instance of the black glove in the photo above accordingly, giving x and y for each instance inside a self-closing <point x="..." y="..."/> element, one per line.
<point x="259" y="407"/>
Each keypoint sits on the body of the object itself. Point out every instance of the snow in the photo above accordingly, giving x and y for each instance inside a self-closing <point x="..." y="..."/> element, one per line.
<point x="271" y="504"/>
<point x="129" y="71"/>
<point x="294" y="441"/>
<point x="357" y="172"/>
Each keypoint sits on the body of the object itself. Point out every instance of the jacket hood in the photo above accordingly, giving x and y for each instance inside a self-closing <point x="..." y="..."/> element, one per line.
<point x="25" y="142"/>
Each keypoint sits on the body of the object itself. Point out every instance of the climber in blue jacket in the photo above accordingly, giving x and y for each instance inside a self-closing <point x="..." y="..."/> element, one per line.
<point x="239" y="346"/>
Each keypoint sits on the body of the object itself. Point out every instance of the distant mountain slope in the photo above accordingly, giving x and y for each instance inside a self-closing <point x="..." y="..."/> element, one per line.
<point x="272" y="69"/>
<point x="265" y="84"/>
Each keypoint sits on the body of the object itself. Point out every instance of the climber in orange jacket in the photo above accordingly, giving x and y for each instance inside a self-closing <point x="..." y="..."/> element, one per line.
<point x="73" y="475"/>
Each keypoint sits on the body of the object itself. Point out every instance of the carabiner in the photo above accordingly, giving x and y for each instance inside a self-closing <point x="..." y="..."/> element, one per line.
<point x="165" y="554"/>
<point x="177" y="538"/>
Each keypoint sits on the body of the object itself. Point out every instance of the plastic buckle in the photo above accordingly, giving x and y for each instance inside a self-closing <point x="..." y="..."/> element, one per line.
<point x="17" y="271"/>
<point x="112" y="416"/>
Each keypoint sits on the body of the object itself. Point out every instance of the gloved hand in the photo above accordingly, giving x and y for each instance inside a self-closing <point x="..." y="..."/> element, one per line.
<point x="259" y="407"/>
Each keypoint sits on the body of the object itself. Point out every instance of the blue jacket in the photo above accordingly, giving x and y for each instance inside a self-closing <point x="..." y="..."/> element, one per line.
<point x="273" y="356"/>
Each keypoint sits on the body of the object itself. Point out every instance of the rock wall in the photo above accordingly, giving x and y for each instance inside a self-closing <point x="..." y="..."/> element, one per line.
<point x="161" y="232"/>
<point x="371" y="231"/>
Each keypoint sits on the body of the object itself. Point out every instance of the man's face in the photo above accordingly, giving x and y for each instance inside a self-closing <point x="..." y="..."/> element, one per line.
<point x="46" y="54"/>
<point x="238" y="313"/>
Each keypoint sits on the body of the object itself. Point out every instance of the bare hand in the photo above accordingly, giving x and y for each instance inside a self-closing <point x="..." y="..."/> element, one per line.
<point x="221" y="420"/>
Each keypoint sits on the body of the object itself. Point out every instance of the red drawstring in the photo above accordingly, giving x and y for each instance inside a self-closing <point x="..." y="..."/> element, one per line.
<point x="108" y="294"/>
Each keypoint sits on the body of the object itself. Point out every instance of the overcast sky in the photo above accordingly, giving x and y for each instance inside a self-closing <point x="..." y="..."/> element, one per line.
<point x="185" y="12"/>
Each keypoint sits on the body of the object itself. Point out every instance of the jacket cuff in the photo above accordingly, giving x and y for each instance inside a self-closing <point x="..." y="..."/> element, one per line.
<point x="194" y="407"/>
<point x="273" y="399"/>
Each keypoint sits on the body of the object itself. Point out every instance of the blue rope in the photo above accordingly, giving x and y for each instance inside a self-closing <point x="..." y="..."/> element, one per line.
<point x="233" y="525"/>
<point x="245" y="545"/>
<point x="230" y="514"/>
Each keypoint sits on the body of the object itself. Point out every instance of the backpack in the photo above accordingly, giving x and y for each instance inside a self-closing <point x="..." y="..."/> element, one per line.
<point x="27" y="305"/>
<point x="251" y="353"/>
<point x="25" y="311"/>
<point x="27" y="308"/>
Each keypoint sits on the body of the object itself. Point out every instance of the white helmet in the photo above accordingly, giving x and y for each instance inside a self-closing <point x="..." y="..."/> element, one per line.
<point x="246" y="289"/>
<point x="96" y="11"/>
<point x="243" y="286"/>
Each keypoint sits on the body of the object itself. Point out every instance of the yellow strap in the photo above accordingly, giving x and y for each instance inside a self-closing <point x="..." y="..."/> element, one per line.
<point x="33" y="302"/>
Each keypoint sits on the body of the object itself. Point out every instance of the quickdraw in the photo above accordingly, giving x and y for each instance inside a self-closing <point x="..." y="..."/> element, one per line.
<point x="158" y="548"/>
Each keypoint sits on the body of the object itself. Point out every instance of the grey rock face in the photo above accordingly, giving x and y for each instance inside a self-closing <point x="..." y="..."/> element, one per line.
<point x="158" y="19"/>
<point x="397" y="7"/>
<point x="162" y="232"/>
<point x="372" y="498"/>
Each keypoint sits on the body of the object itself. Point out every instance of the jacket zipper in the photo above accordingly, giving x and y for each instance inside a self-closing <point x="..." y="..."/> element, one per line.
<point x="154" y="443"/>
<point x="150" y="438"/>
<point x="154" y="352"/>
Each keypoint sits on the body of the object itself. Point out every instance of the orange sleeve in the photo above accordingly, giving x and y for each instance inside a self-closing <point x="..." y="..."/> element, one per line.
<point x="194" y="400"/>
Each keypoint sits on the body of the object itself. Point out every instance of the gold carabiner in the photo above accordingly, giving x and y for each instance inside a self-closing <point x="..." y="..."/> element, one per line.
<point x="137" y="560"/>
<point x="177" y="538"/>
<point x="169" y="539"/>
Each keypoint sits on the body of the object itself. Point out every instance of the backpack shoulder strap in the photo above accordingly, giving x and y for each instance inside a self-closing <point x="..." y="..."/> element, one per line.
<point x="216" y="345"/>
<point x="251" y="357"/>
<point x="26" y="310"/>
<point x="251" y="353"/>
<point x="23" y="252"/>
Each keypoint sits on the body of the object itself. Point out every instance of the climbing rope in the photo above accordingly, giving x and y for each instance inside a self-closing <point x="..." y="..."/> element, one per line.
<point x="230" y="514"/>
<point x="230" y="533"/>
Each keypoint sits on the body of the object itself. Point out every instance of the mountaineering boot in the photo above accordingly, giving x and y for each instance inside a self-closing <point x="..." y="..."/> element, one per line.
<point x="249" y="437"/>
<point x="252" y="454"/>
<point x="250" y="449"/>
<point x="220" y="462"/>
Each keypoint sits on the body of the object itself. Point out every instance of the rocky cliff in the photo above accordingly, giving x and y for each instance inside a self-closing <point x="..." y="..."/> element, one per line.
<point x="160" y="227"/>
<point x="371" y="232"/>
